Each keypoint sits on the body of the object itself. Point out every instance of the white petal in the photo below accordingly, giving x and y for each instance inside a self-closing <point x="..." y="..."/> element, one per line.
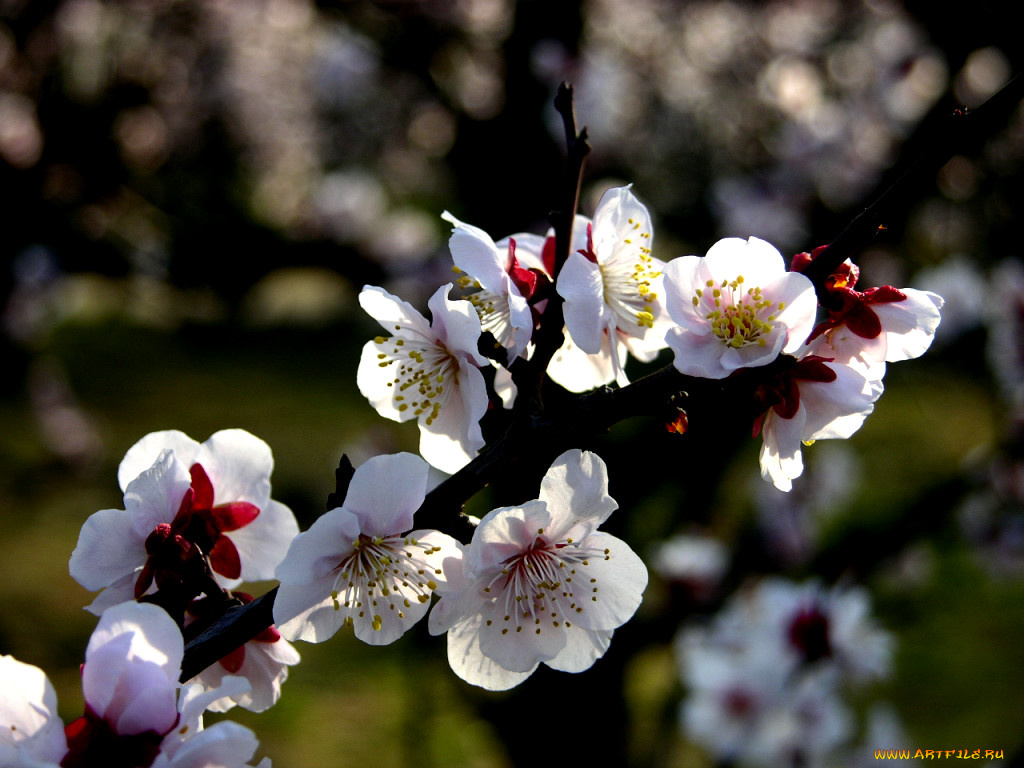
<point x="781" y="460"/>
<point x="682" y="277"/>
<point x="394" y="315"/>
<point x="262" y="544"/>
<point x="516" y="643"/>
<point x="306" y="611"/>
<point x="375" y="383"/>
<point x="577" y="371"/>
<point x="757" y="261"/>
<point x="145" y="452"/>
<point x="454" y="436"/>
<point x="385" y="491"/>
<point x="801" y="308"/>
<point x="107" y="550"/>
<point x="28" y="713"/>
<point x="475" y="253"/>
<point x="575" y="489"/>
<point x="222" y="745"/>
<point x="586" y="314"/>
<point x="469" y="663"/>
<point x="620" y="582"/>
<point x="909" y="326"/>
<point x="697" y="354"/>
<point x="457" y="325"/>
<point x="619" y="215"/>
<point x="239" y="465"/>
<point x="503" y="533"/>
<point x="155" y="495"/>
<point x="315" y="553"/>
<point x="582" y="648"/>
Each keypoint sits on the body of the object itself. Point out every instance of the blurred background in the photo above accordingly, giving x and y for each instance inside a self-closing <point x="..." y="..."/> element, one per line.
<point x="192" y="194"/>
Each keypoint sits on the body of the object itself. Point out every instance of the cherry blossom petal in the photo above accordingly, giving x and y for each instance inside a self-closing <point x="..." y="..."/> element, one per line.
<point x="146" y="451"/>
<point x="239" y="465"/>
<point x="31" y="733"/>
<point x="263" y="543"/>
<point x="101" y="557"/>
<point x="909" y="326"/>
<point x="582" y="649"/>
<point x="575" y="489"/>
<point x="468" y="662"/>
<point x="586" y="316"/>
<point x="385" y="491"/>
<point x="390" y="311"/>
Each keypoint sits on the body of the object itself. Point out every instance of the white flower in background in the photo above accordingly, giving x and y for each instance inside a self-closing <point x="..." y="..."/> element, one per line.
<point x="539" y="583"/>
<point x="877" y="326"/>
<point x="736" y="307"/>
<point x="429" y="372"/>
<point x="694" y="562"/>
<point x="810" y="399"/>
<point x="500" y="285"/>
<point x="612" y="284"/>
<point x="31" y="733"/>
<point x="183" y="498"/>
<point x="361" y="564"/>
<point x="765" y="678"/>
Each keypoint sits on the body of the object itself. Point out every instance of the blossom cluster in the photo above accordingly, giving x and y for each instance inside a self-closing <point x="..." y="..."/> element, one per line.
<point x="538" y="582"/>
<point x="765" y="679"/>
<point x="736" y="311"/>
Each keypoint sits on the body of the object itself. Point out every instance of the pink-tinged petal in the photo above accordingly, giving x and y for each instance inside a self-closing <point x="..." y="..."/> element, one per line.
<point x="239" y="465"/>
<point x="265" y="666"/>
<point x="390" y="311"/>
<point x="617" y="580"/>
<point x="469" y="663"/>
<point x="475" y="253"/>
<point x="151" y="633"/>
<point x="909" y="326"/>
<point x="574" y="369"/>
<point x="262" y="544"/>
<point x="385" y="626"/>
<point x="454" y="436"/>
<point x="152" y="704"/>
<point x="146" y="451"/>
<point x="448" y="552"/>
<point x="582" y="287"/>
<point x="504" y="533"/>
<point x="385" y="491"/>
<point x="456" y="324"/>
<point x="575" y="489"/>
<point x="224" y="559"/>
<point x="838" y="408"/>
<point x="582" y="648"/>
<point x="315" y="553"/>
<point x="28" y="716"/>
<point x="781" y="460"/>
<point x="234" y="515"/>
<point x="697" y="355"/>
<point x="107" y="550"/>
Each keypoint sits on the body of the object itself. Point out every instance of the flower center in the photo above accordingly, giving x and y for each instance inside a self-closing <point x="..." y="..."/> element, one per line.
<point x="384" y="573"/>
<point x="739" y="316"/>
<point x="422" y="367"/>
<point x="549" y="582"/>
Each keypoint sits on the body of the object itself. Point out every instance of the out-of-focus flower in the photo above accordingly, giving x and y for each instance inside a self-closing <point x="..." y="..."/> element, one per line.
<point x="361" y="564"/>
<point x="185" y="501"/>
<point x="736" y="307"/>
<point x="877" y="326"/>
<point x="695" y="563"/>
<point x="612" y="285"/>
<point x="764" y="679"/>
<point x="427" y="371"/>
<point x="500" y="285"/>
<point x="31" y="733"/>
<point x="809" y="399"/>
<point x="539" y="583"/>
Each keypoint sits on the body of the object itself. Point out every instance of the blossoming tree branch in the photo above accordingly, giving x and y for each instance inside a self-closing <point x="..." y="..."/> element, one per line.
<point x="533" y="336"/>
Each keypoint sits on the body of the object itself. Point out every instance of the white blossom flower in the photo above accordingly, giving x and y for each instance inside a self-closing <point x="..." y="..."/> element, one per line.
<point x="31" y="733"/>
<point x="612" y="284"/>
<point x="133" y="710"/>
<point x="810" y="399"/>
<point x="360" y="564"/>
<point x="877" y="326"/>
<point x="736" y="307"/>
<point x="429" y="372"/>
<point x="499" y="285"/>
<point x="263" y="661"/>
<point x="539" y="583"/>
<point x="181" y="496"/>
